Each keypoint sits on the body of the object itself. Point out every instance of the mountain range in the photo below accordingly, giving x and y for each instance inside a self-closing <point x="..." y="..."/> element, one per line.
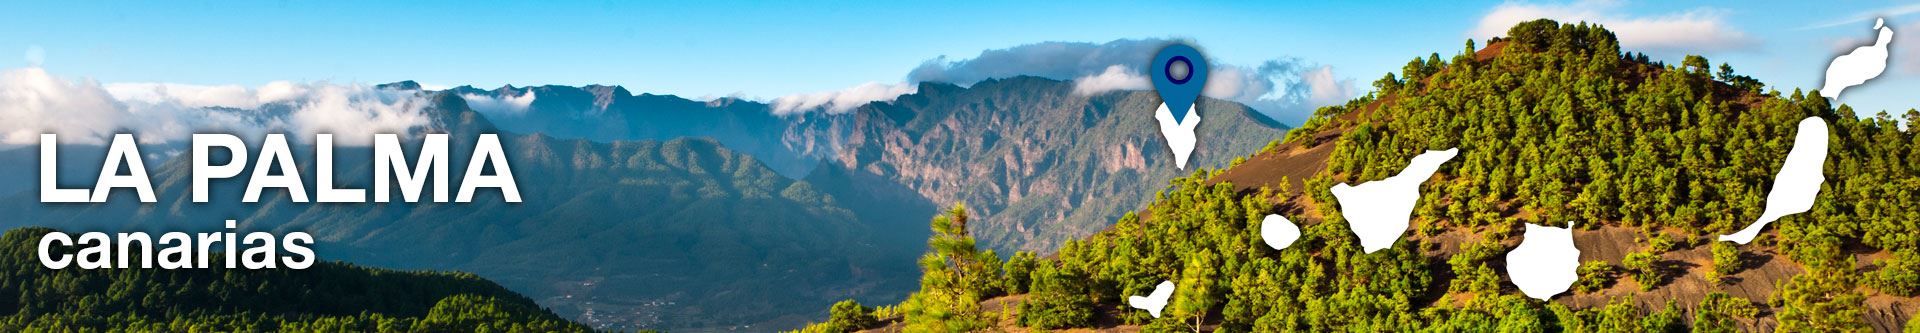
<point x="653" y="211"/>
<point x="1038" y="162"/>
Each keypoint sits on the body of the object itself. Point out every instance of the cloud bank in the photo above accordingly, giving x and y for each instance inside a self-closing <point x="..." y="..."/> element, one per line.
<point x="498" y="107"/>
<point x="1285" y="89"/>
<point x="1693" y="31"/>
<point x="1116" y="77"/>
<point x="1057" y="60"/>
<point x="34" y="101"/>
<point x="839" y="101"/>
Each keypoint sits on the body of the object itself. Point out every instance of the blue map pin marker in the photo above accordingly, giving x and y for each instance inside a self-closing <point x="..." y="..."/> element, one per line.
<point x="1178" y="74"/>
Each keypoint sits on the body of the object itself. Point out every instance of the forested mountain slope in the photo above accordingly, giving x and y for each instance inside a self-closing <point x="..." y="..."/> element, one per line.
<point x="1555" y="125"/>
<point x="329" y="296"/>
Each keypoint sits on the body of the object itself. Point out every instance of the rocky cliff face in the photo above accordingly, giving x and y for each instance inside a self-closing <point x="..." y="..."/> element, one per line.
<point x="1038" y="163"/>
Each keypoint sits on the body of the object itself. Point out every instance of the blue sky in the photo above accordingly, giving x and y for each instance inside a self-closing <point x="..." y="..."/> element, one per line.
<point x="765" y="50"/>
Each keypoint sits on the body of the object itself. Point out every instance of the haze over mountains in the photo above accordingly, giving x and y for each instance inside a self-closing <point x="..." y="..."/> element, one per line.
<point x="662" y="212"/>
<point x="1058" y="164"/>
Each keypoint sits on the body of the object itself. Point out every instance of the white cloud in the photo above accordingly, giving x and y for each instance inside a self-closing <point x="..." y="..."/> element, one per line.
<point x="1283" y="89"/>
<point x="1116" y="77"/>
<point x="1056" y="60"/>
<point x="354" y="113"/>
<point x="500" y="106"/>
<point x="1693" y="31"/>
<point x="844" y="100"/>
<point x="195" y="96"/>
<point x="1325" y="89"/>
<point x="1235" y="83"/>
<point x="34" y="101"/>
<point x="1905" y="49"/>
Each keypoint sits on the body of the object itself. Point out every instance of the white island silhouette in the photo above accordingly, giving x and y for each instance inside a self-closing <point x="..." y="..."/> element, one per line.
<point x="1864" y="63"/>
<point x="1154" y="301"/>
<point x="1179" y="134"/>
<point x="1798" y="182"/>
<point x="1378" y="211"/>
<point x="1546" y="263"/>
<point x="1278" y="232"/>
